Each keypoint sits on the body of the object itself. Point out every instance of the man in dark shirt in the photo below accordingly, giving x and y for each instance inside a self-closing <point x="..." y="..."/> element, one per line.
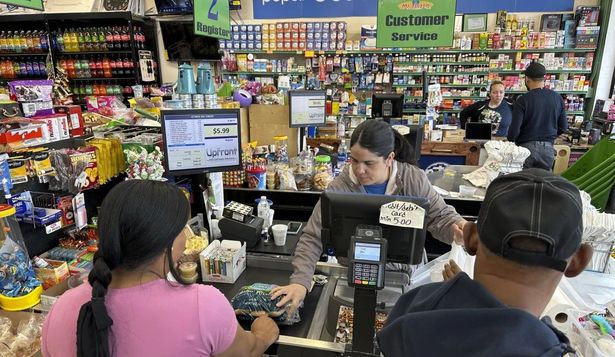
<point x="527" y="236"/>
<point x="538" y="118"/>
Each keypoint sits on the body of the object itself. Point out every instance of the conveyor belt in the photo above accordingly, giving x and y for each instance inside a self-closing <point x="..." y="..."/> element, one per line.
<point x="280" y="277"/>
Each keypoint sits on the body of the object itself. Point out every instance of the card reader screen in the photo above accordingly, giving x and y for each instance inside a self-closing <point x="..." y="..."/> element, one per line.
<point x="367" y="251"/>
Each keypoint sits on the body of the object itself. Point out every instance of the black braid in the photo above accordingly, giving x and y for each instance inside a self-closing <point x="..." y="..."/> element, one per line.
<point x="94" y="323"/>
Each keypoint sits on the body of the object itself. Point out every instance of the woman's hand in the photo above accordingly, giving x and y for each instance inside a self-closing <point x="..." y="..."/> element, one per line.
<point x="293" y="296"/>
<point x="450" y="270"/>
<point x="457" y="229"/>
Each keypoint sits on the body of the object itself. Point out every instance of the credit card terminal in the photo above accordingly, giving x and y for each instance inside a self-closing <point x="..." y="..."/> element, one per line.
<point x="367" y="256"/>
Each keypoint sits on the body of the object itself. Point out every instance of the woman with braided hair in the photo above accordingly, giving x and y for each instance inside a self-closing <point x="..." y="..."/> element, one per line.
<point x="128" y="307"/>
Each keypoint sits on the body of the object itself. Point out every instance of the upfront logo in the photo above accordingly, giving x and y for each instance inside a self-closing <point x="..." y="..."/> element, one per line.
<point x="415" y="5"/>
<point x="221" y="153"/>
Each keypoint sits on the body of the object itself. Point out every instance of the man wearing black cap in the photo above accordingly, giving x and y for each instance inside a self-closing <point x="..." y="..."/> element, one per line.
<point x="538" y="118"/>
<point x="528" y="235"/>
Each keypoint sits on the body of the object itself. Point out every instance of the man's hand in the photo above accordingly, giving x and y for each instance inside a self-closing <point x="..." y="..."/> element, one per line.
<point x="457" y="229"/>
<point x="450" y="270"/>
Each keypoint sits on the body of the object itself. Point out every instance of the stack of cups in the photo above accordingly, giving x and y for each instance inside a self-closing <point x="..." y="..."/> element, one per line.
<point x="211" y="101"/>
<point x="187" y="100"/>
<point x="198" y="101"/>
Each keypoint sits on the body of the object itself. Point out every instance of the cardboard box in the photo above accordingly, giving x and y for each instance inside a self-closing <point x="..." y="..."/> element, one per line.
<point x="454" y="136"/>
<point x="52" y="276"/>
<point x="51" y="295"/>
<point x="219" y="272"/>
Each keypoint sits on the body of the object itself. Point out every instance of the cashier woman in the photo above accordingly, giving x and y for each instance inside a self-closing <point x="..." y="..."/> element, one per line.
<point x="380" y="164"/>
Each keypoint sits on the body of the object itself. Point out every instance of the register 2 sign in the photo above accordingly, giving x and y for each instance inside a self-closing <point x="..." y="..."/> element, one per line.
<point x="415" y="23"/>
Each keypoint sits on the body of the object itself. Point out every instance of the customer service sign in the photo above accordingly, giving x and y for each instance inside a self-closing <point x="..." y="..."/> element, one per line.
<point x="415" y="23"/>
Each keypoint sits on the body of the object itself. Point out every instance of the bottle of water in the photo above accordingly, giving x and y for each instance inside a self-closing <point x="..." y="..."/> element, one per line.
<point x="263" y="212"/>
<point x="342" y="155"/>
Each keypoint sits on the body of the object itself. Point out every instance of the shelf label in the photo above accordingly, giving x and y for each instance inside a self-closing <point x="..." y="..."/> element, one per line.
<point x="402" y="214"/>
<point x="30" y="4"/>
<point x="309" y="54"/>
<point x="415" y="23"/>
<point x="211" y="18"/>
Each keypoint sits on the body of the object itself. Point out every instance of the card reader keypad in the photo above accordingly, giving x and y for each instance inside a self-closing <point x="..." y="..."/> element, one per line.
<point x="365" y="274"/>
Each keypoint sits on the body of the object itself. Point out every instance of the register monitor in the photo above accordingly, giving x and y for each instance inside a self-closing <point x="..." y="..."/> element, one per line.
<point x="342" y="212"/>
<point x="198" y="141"/>
<point x="478" y="131"/>
<point x="387" y="105"/>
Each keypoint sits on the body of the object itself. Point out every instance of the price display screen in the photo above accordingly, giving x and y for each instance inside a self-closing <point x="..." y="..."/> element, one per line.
<point x="198" y="141"/>
<point x="307" y="108"/>
<point x="367" y="251"/>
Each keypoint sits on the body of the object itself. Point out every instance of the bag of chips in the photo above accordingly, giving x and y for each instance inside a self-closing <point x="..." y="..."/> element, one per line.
<point x="254" y="300"/>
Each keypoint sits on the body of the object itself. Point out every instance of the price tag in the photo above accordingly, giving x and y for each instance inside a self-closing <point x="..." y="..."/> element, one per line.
<point x="309" y="54"/>
<point x="220" y="130"/>
<point x="402" y="214"/>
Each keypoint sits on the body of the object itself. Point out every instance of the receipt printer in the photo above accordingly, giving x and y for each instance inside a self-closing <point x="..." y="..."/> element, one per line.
<point x="248" y="231"/>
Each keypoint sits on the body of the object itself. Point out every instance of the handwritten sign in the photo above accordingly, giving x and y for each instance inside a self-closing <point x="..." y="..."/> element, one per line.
<point x="402" y="214"/>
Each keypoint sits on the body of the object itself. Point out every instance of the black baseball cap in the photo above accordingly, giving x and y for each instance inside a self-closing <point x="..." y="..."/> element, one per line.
<point x="533" y="204"/>
<point x="535" y="71"/>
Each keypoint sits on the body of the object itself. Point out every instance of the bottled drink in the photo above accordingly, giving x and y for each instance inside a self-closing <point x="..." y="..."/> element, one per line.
<point x="85" y="66"/>
<point x="125" y="37"/>
<point x="127" y="67"/>
<point x="28" y="42"/>
<point x="99" y="68"/>
<point x="66" y="39"/>
<point x="109" y="38"/>
<point x="106" y="68"/>
<point x="92" y="67"/>
<point x="81" y="42"/>
<point x="87" y="38"/>
<point x="102" y="39"/>
<point x="342" y="154"/>
<point x="263" y="211"/>
<point x="23" y="42"/>
<point x="117" y="38"/>
<point x="3" y="44"/>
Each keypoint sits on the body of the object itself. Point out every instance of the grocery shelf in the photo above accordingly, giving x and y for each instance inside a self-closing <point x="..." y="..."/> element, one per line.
<point x="24" y="54"/>
<point x="557" y="91"/>
<point x="420" y="50"/>
<point x="575" y="112"/>
<point x="463" y="85"/>
<point x="549" y="71"/>
<point x="442" y="63"/>
<point x="265" y="73"/>
<point x="4" y="79"/>
<point x="440" y="74"/>
<point x="102" y="79"/>
<point x="407" y="86"/>
<point x="475" y="97"/>
<point x="110" y="52"/>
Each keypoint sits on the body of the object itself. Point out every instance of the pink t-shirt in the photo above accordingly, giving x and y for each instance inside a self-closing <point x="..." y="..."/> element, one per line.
<point x="153" y="319"/>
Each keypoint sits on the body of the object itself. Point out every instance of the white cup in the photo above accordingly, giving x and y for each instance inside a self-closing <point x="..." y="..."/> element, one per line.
<point x="279" y="234"/>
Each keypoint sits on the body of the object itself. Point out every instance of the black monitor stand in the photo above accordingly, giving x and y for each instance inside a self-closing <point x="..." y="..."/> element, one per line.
<point x="363" y="322"/>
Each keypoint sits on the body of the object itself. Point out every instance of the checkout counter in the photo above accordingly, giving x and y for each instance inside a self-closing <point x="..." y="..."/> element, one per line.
<point x="313" y="335"/>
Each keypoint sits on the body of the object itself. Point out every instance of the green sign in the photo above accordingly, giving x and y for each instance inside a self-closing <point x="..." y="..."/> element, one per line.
<point x="30" y="4"/>
<point x="211" y="18"/>
<point x="415" y="23"/>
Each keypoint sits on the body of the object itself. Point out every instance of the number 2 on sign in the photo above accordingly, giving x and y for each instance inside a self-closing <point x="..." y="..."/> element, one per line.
<point x="211" y="15"/>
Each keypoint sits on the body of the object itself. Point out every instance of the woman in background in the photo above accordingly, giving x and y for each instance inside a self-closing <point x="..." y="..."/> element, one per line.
<point x="496" y="110"/>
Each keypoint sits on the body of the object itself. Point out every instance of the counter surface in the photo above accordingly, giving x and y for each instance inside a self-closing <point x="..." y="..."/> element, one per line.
<point x="280" y="277"/>
<point x="452" y="183"/>
<point x="271" y="248"/>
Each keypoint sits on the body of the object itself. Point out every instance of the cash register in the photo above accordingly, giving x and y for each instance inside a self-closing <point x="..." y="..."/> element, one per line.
<point x="238" y="223"/>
